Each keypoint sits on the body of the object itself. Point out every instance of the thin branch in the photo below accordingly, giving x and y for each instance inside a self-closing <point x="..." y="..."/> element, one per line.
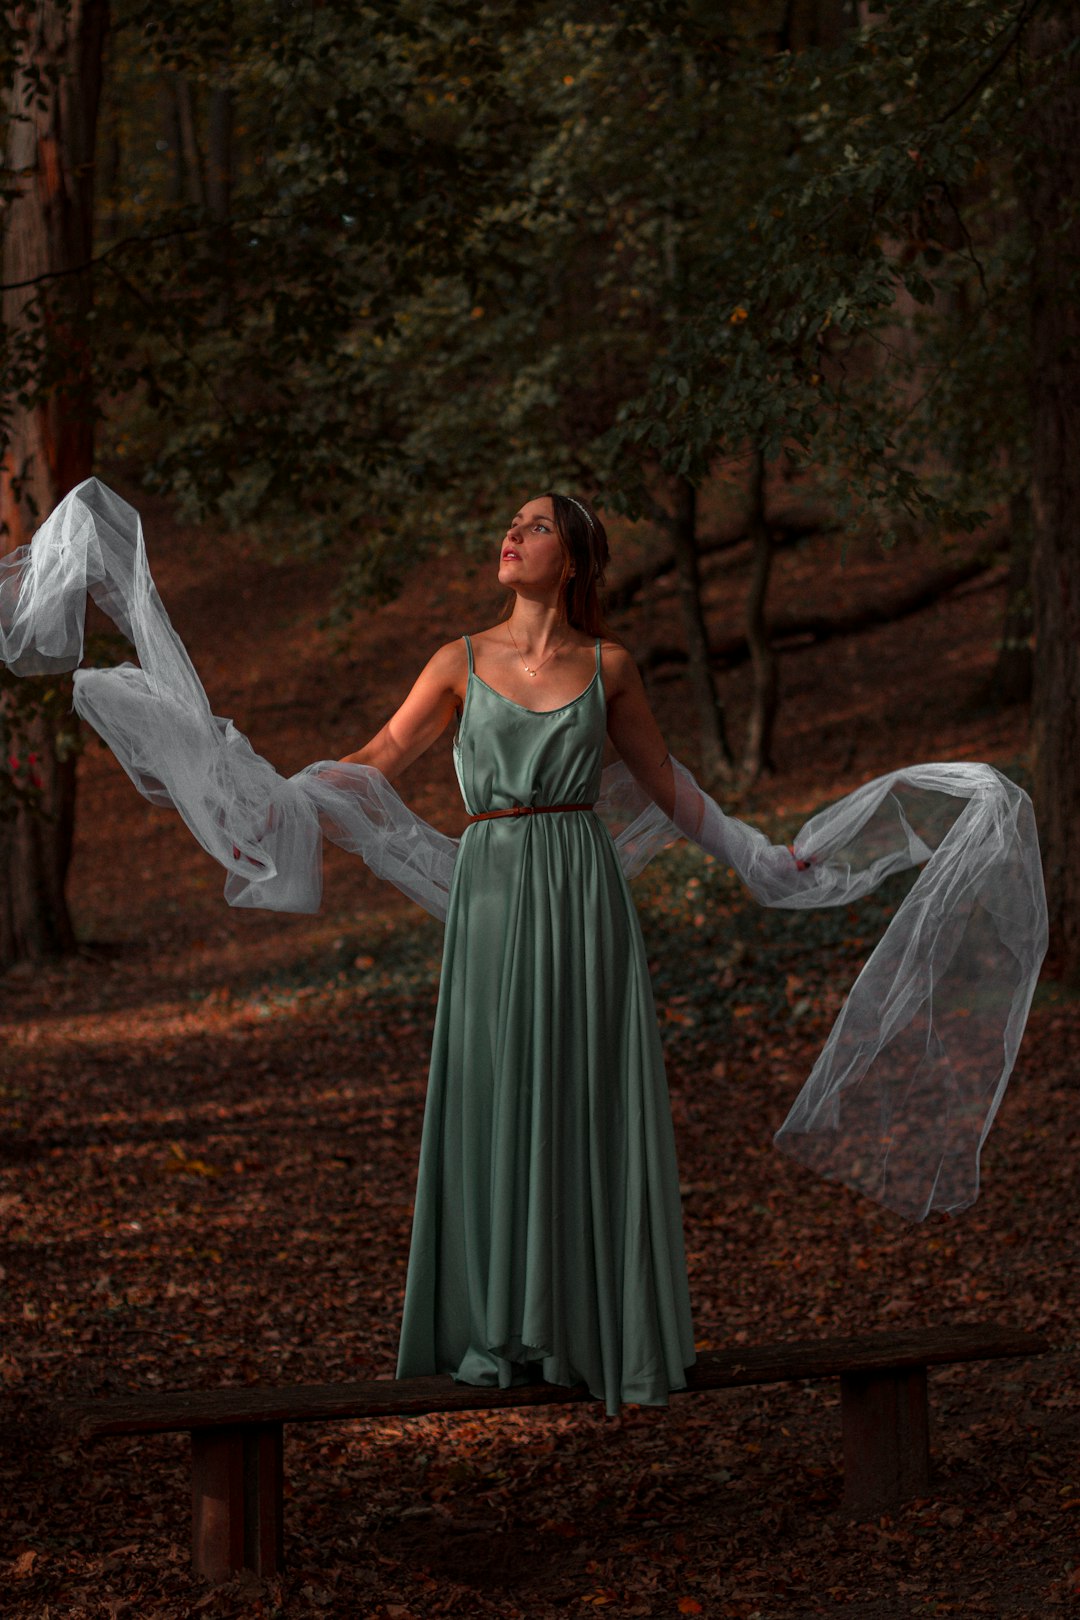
<point x="966" y="234"/>
<point x="797" y="632"/>
<point x="143" y="241"/>
<point x="1013" y="30"/>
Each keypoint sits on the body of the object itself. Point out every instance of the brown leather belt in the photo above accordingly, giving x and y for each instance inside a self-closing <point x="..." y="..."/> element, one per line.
<point x="527" y="810"/>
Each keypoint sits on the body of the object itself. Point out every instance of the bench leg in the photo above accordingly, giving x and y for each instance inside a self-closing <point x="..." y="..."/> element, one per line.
<point x="886" y="1438"/>
<point x="237" y="1475"/>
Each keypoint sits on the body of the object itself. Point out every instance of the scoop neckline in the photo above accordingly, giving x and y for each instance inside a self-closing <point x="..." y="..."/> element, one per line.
<point x="524" y="708"/>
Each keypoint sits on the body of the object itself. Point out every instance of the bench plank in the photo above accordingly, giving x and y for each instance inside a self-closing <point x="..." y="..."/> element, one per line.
<point x="237" y="1448"/>
<point x="413" y="1397"/>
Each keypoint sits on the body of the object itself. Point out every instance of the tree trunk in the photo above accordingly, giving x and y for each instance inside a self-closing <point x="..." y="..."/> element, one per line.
<point x="189" y="142"/>
<point x="787" y="530"/>
<point x="35" y="845"/>
<point x="48" y="237"/>
<point x="1011" y="679"/>
<point x="716" y="758"/>
<point x="219" y="168"/>
<point x="110" y="163"/>
<point x="815" y="24"/>
<point x="219" y="171"/>
<point x="1052" y="194"/>
<point x="171" y="137"/>
<point x="798" y="630"/>
<point x="757" y="754"/>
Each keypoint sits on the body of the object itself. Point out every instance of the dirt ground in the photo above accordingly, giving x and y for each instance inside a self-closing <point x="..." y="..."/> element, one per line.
<point x="211" y="1127"/>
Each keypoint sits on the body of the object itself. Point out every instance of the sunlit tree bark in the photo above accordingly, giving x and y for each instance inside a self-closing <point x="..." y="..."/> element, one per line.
<point x="1054" y="206"/>
<point x="51" y="120"/>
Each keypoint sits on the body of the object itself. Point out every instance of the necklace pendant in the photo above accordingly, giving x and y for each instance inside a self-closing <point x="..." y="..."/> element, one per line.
<point x="531" y="671"/>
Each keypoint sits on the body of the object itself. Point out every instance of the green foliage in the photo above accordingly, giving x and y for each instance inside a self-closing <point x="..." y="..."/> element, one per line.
<point x="372" y="139"/>
<point x="818" y="255"/>
<point x="473" y="253"/>
<point x="838" y="314"/>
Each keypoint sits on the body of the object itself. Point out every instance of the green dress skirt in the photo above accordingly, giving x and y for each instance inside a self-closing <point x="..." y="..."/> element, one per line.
<point x="547" y="1236"/>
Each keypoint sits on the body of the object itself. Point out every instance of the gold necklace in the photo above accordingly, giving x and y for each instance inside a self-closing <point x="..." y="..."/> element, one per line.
<point x="521" y="655"/>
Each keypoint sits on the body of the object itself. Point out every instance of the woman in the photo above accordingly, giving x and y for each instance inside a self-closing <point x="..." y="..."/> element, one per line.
<point x="547" y="1238"/>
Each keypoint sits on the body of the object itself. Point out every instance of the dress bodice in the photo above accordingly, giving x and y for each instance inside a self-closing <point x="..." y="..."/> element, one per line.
<point x="506" y="754"/>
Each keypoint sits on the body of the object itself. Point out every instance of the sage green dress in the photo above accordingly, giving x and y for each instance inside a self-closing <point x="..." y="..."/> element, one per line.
<point x="547" y="1236"/>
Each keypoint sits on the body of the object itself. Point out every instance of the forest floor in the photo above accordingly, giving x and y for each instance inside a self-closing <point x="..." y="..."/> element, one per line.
<point x="211" y="1128"/>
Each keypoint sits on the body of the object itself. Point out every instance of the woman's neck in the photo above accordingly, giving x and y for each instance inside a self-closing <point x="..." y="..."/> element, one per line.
<point x="537" y="625"/>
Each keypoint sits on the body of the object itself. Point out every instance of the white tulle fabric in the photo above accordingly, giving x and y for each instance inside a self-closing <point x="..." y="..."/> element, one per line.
<point x="899" y="1102"/>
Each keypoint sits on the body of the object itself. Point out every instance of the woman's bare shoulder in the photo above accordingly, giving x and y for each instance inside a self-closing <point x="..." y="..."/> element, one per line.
<point x="448" y="663"/>
<point x="491" y="633"/>
<point x="618" y="663"/>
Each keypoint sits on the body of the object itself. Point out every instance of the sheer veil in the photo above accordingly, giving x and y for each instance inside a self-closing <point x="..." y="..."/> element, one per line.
<point x="900" y="1100"/>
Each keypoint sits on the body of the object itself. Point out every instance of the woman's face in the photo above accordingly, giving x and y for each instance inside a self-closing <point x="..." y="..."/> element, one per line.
<point x="531" y="558"/>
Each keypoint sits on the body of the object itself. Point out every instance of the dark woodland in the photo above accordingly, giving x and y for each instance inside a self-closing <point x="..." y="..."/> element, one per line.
<point x="326" y="291"/>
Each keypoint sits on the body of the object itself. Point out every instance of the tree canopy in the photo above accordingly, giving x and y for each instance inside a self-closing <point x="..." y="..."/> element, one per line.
<point x="473" y="253"/>
<point x="368" y="273"/>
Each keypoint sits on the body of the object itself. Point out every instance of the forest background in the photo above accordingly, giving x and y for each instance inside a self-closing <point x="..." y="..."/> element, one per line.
<point x="791" y="289"/>
<point x="335" y="270"/>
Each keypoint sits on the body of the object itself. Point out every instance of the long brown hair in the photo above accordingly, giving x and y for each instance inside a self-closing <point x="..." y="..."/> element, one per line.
<point x="585" y="557"/>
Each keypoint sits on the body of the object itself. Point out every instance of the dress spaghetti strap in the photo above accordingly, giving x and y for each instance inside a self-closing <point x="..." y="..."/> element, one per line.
<point x="598" y="655"/>
<point x="468" y="648"/>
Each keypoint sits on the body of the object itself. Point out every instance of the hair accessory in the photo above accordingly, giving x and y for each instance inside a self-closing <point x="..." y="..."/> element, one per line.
<point x="587" y="515"/>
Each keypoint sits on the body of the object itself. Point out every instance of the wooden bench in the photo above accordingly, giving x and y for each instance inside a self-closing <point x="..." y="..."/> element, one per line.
<point x="237" y="1434"/>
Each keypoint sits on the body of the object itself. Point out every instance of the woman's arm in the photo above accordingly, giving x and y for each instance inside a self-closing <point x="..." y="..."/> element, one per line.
<point x="634" y="731"/>
<point x="637" y="737"/>
<point x="424" y="715"/>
